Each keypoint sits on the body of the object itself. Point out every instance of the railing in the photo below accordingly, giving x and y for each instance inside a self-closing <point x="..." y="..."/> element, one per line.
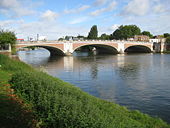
<point x="83" y="41"/>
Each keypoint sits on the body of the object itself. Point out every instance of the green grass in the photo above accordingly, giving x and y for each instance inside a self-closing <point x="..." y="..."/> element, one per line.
<point x="57" y="104"/>
<point x="166" y="52"/>
<point x="13" y="113"/>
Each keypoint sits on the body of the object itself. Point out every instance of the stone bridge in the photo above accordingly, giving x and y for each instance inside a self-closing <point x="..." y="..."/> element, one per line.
<point x="68" y="47"/>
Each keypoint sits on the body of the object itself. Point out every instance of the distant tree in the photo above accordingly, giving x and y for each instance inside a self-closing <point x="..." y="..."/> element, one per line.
<point x="79" y="36"/>
<point x="60" y="39"/>
<point x="168" y="40"/>
<point x="7" y="37"/>
<point x="147" y="33"/>
<point x="117" y="34"/>
<point x="93" y="34"/>
<point x="124" y="32"/>
<point x="67" y="37"/>
<point x="166" y="35"/>
<point x="105" y="37"/>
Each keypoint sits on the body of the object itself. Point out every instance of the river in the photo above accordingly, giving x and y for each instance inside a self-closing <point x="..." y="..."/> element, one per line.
<point x="137" y="81"/>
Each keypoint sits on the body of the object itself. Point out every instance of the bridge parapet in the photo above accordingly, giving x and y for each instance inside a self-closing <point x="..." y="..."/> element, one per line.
<point x="68" y="47"/>
<point x="82" y="41"/>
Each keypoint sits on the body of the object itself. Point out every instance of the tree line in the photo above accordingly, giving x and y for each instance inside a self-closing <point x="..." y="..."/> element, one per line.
<point x="123" y="32"/>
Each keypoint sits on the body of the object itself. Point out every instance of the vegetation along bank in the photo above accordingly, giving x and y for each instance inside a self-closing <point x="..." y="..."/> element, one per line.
<point x="45" y="101"/>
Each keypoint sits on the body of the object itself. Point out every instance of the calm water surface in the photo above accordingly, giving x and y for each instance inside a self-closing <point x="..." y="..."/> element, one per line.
<point x="137" y="81"/>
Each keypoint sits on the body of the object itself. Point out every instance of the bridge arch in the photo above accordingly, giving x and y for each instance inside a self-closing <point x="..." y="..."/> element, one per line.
<point x="138" y="49"/>
<point x="52" y="49"/>
<point x="101" y="48"/>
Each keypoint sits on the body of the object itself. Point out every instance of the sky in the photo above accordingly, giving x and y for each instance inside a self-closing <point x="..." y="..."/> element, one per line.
<point x="58" y="18"/>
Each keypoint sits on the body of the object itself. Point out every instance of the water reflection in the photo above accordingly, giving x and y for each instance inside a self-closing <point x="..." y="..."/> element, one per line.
<point x="136" y="81"/>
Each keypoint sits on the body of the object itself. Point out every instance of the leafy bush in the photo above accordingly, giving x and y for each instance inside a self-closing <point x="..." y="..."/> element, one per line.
<point x="59" y="104"/>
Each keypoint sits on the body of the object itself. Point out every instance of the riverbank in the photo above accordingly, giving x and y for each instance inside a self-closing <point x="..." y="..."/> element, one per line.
<point x="56" y="103"/>
<point x="14" y="113"/>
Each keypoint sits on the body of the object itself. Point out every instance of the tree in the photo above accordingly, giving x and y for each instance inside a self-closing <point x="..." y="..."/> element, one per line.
<point x="105" y="37"/>
<point x="124" y="32"/>
<point x="60" y="39"/>
<point x="7" y="37"/>
<point x="93" y="34"/>
<point x="81" y="37"/>
<point x="147" y="33"/>
<point x="168" y="40"/>
<point x="166" y="35"/>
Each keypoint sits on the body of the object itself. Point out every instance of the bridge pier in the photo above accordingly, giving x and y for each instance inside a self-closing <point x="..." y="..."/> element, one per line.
<point x="68" y="48"/>
<point x="68" y="53"/>
<point x="121" y="51"/>
<point x="121" y="48"/>
<point x="163" y="47"/>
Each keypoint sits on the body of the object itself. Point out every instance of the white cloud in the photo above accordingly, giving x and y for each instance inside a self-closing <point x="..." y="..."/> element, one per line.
<point x="14" y="8"/>
<point x="49" y="15"/>
<point x="110" y="7"/>
<point x="77" y="10"/>
<point x="78" y="20"/>
<point x="151" y="15"/>
<point x="137" y="7"/>
<point x="114" y="27"/>
<point x="53" y="30"/>
<point x="100" y="2"/>
<point x="9" y="24"/>
<point x="97" y="12"/>
<point x="156" y="24"/>
<point x="9" y="4"/>
<point x="159" y="8"/>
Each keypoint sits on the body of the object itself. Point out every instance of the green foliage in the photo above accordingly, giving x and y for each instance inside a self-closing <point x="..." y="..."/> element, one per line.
<point x="168" y="40"/>
<point x="147" y="33"/>
<point x="7" y="37"/>
<point x="124" y="32"/>
<point x="81" y="37"/>
<point x="60" y="39"/>
<point x="166" y="35"/>
<point x="58" y="104"/>
<point x="13" y="114"/>
<point x="67" y="37"/>
<point x="105" y="37"/>
<point x="12" y="66"/>
<point x="93" y="34"/>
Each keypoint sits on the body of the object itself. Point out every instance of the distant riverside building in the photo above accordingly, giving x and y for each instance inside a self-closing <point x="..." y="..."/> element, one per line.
<point x="154" y="40"/>
<point x="20" y="40"/>
<point x="71" y="38"/>
<point x="42" y="38"/>
<point x="141" y="38"/>
<point x="158" y="39"/>
<point x="159" y="43"/>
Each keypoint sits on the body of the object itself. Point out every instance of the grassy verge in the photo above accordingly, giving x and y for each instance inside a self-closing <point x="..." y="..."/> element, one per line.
<point x="13" y="112"/>
<point x="167" y="52"/>
<point x="57" y="104"/>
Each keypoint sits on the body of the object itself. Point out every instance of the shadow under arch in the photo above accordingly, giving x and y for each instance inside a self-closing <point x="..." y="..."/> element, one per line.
<point x="137" y="49"/>
<point x="53" y="50"/>
<point x="100" y="48"/>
